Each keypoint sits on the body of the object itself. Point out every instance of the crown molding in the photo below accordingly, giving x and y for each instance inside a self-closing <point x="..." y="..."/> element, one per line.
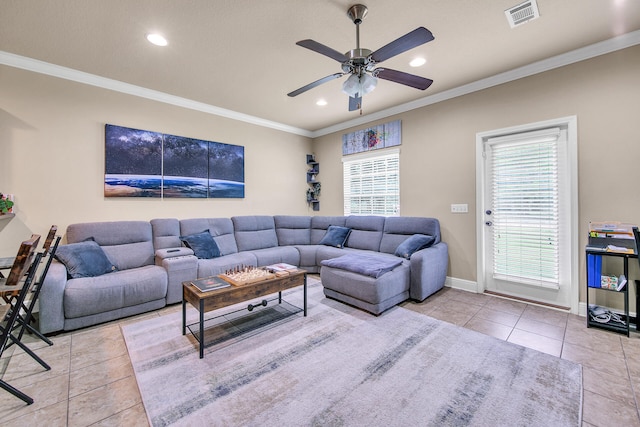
<point x="607" y="46"/>
<point x="42" y="67"/>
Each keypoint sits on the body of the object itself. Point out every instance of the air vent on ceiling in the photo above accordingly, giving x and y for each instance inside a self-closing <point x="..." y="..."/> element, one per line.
<point x="522" y="13"/>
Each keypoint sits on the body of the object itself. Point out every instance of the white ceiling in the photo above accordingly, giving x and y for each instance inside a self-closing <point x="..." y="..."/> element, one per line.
<point x="240" y="55"/>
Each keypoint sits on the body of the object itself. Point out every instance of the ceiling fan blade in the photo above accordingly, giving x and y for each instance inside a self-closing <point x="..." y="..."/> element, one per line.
<point x="322" y="49"/>
<point x="403" y="78"/>
<point x="410" y="40"/>
<point x="314" y="84"/>
<point x="355" y="103"/>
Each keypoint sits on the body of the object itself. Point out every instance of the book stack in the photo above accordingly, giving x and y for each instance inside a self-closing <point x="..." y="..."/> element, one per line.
<point x="209" y="284"/>
<point x="594" y="267"/>
<point x="282" y="269"/>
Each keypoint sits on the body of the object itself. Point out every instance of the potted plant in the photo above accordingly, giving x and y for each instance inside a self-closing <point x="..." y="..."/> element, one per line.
<point x="313" y="192"/>
<point x="310" y="195"/>
<point x="6" y="205"/>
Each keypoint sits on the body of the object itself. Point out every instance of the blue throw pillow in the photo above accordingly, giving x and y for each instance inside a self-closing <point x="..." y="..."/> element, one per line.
<point x="84" y="259"/>
<point x="202" y="244"/>
<point x="335" y="236"/>
<point x="413" y="244"/>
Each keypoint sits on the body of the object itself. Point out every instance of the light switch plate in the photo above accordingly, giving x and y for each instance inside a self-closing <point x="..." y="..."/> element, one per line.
<point x="460" y="208"/>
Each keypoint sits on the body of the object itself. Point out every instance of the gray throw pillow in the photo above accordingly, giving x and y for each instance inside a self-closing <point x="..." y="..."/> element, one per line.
<point x="202" y="244"/>
<point x="335" y="236"/>
<point x="84" y="259"/>
<point x="413" y="244"/>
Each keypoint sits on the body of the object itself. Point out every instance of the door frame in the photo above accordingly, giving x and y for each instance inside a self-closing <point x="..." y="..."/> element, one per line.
<point x="571" y="124"/>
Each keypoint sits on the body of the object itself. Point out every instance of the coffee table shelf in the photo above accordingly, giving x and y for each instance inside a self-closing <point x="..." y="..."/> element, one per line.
<point x="242" y="323"/>
<point x="229" y="328"/>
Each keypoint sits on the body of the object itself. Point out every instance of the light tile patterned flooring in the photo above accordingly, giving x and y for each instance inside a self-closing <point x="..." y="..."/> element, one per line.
<point x="91" y="382"/>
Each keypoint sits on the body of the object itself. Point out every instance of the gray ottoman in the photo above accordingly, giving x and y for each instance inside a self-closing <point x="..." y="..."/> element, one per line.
<point x="372" y="294"/>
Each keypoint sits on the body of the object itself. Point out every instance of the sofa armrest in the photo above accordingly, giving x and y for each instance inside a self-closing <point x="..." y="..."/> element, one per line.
<point x="179" y="269"/>
<point x="162" y="254"/>
<point x="428" y="271"/>
<point x="51" y="299"/>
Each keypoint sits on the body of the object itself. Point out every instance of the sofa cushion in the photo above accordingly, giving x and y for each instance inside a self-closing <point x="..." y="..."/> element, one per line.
<point x="358" y="287"/>
<point x="214" y="266"/>
<point x="91" y="295"/>
<point x="254" y="232"/>
<point x="166" y="233"/>
<point x="413" y="244"/>
<point x="285" y="254"/>
<point x="293" y="230"/>
<point x="398" y="228"/>
<point x="374" y="265"/>
<point x="202" y="244"/>
<point x="335" y="236"/>
<point x="128" y="244"/>
<point x="84" y="259"/>
<point x="366" y="232"/>
<point x="320" y="224"/>
<point x="220" y="228"/>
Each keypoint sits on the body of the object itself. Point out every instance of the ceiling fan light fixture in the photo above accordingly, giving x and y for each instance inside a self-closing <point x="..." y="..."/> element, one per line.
<point x="357" y="86"/>
<point x="368" y="83"/>
<point x="351" y="86"/>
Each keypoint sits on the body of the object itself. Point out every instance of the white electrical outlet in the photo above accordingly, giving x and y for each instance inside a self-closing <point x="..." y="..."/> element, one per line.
<point x="460" y="208"/>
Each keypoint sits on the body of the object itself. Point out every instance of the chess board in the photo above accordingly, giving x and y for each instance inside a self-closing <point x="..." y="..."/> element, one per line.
<point x="246" y="276"/>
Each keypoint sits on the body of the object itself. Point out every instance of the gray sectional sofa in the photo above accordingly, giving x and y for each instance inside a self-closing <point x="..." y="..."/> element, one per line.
<point x="151" y="262"/>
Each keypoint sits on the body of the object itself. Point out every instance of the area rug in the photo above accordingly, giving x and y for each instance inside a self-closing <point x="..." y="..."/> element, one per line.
<point x="340" y="366"/>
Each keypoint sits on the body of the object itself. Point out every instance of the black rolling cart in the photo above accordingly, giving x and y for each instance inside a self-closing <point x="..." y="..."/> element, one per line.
<point x="612" y="325"/>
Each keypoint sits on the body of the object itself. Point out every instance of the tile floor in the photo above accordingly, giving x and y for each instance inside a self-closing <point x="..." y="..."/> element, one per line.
<point x="91" y="382"/>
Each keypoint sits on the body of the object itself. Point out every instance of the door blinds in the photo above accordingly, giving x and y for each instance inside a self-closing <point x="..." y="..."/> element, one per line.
<point x="525" y="217"/>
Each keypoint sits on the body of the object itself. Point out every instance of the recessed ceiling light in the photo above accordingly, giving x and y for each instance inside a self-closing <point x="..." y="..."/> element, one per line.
<point x="157" y="39"/>
<point x="321" y="102"/>
<point x="417" y="62"/>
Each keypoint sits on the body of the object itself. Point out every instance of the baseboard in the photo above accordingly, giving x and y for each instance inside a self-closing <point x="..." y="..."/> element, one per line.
<point x="464" y="285"/>
<point x="582" y="309"/>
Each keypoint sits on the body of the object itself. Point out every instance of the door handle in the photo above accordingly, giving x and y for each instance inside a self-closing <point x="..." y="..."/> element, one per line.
<point x="488" y="223"/>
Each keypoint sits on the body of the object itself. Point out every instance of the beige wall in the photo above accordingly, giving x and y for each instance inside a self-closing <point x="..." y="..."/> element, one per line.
<point x="52" y="153"/>
<point x="52" y="157"/>
<point x="438" y="164"/>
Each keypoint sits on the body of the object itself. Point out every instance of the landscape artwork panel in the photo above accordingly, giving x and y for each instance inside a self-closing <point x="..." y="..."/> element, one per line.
<point x="133" y="162"/>
<point x="185" y="167"/>
<point x="141" y="163"/>
<point x="373" y="138"/>
<point x="226" y="170"/>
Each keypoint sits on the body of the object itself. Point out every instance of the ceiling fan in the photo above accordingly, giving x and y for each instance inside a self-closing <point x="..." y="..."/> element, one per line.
<point x="361" y="63"/>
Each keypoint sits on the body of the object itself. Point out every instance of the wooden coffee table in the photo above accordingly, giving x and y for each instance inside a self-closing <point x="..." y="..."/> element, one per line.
<point x="207" y="301"/>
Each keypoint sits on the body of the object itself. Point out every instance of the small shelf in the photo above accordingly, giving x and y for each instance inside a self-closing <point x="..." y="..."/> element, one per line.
<point x="7" y="216"/>
<point x="237" y="325"/>
<point x="313" y="169"/>
<point x="624" y="292"/>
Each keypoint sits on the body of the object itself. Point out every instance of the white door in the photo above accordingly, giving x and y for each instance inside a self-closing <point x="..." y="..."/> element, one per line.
<point x="527" y="235"/>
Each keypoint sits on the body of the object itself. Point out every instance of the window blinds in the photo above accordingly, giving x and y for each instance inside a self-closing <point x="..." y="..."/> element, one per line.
<point x="525" y="207"/>
<point x="372" y="185"/>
